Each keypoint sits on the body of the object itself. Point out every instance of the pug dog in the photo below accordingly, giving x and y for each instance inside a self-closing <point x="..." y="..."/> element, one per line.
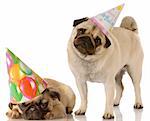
<point x="56" y="101"/>
<point x="93" y="57"/>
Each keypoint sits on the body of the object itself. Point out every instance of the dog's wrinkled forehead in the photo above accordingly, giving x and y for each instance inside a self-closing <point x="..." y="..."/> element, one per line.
<point x="26" y="105"/>
<point x="85" y="24"/>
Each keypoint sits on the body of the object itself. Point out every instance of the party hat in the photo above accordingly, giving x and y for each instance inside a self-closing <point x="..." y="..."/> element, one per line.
<point x="24" y="83"/>
<point x="105" y="21"/>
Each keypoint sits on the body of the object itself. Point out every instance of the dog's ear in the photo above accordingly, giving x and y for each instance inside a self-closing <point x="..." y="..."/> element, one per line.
<point x="78" y="21"/>
<point x="108" y="43"/>
<point x="52" y="93"/>
<point x="11" y="105"/>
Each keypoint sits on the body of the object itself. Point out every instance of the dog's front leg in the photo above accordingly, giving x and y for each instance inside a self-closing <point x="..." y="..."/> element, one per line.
<point x="82" y="87"/>
<point x="13" y="114"/>
<point x="109" y="90"/>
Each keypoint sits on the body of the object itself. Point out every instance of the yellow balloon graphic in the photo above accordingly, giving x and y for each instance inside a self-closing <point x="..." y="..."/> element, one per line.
<point x="15" y="74"/>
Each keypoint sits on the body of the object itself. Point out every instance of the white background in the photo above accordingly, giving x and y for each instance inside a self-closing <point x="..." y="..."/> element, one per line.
<point x="38" y="32"/>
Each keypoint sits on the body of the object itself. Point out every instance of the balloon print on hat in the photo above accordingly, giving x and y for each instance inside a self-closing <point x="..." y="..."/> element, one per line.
<point x="15" y="73"/>
<point x="24" y="83"/>
<point x="25" y="69"/>
<point x="28" y="87"/>
<point x="9" y="60"/>
<point x="15" y="92"/>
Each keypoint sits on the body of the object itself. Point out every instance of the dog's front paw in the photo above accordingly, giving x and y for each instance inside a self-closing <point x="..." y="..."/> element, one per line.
<point x="80" y="112"/>
<point x="108" y="116"/>
<point x="49" y="116"/>
<point x="138" y="106"/>
<point x="52" y="115"/>
<point x="14" y="114"/>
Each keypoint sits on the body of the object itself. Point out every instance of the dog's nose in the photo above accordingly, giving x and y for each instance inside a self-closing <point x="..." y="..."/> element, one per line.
<point x="86" y="40"/>
<point x="32" y="109"/>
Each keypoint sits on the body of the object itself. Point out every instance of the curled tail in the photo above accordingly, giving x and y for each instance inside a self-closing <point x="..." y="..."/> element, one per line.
<point x="129" y="23"/>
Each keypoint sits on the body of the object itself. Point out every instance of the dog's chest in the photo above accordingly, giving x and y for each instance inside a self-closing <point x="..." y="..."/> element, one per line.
<point x="91" y="71"/>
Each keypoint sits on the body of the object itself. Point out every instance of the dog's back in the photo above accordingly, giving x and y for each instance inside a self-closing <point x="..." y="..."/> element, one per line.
<point x="67" y="95"/>
<point x="128" y="39"/>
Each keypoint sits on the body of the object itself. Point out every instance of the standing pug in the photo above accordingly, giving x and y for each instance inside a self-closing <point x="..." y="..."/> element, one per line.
<point x="94" y="56"/>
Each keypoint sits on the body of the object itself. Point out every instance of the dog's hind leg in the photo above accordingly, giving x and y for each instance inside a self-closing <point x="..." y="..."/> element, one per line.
<point x="69" y="110"/>
<point x="119" y="86"/>
<point x="135" y="72"/>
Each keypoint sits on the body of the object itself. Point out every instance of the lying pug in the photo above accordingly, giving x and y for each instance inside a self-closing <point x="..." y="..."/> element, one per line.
<point x="92" y="56"/>
<point x="56" y="101"/>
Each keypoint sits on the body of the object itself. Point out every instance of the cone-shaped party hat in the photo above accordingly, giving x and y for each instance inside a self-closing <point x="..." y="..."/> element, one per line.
<point x="105" y="21"/>
<point x="24" y="83"/>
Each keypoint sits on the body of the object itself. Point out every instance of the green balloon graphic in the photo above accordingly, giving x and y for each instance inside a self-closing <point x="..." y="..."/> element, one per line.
<point x="14" y="92"/>
<point x="38" y="91"/>
<point x="25" y="69"/>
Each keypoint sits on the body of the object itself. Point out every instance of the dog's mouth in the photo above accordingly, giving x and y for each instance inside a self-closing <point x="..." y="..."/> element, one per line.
<point x="86" y="44"/>
<point x="34" y="113"/>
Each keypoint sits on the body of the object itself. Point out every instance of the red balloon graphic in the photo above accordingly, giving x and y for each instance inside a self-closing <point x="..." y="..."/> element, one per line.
<point x="28" y="87"/>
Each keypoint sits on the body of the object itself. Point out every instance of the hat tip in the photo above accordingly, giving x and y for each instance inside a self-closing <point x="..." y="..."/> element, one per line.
<point x="123" y="4"/>
<point x="120" y="7"/>
<point x="7" y="49"/>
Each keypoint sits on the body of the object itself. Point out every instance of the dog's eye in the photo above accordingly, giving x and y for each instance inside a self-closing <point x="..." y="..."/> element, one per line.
<point x="81" y="31"/>
<point x="97" y="41"/>
<point x="43" y="104"/>
<point x="23" y="106"/>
